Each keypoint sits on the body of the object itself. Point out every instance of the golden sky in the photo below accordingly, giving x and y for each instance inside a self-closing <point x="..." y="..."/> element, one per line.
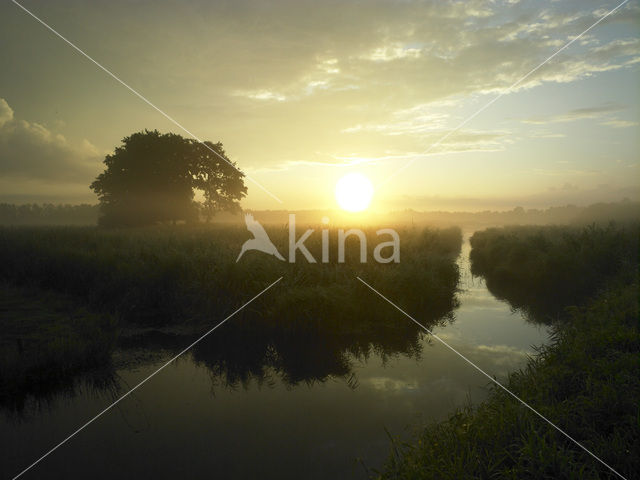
<point x="303" y="92"/>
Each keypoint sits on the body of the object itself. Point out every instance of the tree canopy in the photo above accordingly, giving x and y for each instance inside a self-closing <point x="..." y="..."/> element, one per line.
<point x="152" y="177"/>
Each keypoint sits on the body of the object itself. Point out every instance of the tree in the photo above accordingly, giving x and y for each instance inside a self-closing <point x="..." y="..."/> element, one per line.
<point x="151" y="178"/>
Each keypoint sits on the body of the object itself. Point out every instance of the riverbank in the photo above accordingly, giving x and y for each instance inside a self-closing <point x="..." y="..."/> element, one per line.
<point x="69" y="292"/>
<point x="190" y="274"/>
<point x="586" y="381"/>
<point x="47" y="340"/>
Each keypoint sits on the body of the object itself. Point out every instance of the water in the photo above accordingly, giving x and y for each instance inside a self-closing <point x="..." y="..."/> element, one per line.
<point x="202" y="417"/>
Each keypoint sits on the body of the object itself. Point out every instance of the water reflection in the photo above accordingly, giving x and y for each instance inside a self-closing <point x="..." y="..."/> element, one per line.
<point x="259" y="400"/>
<point x="38" y="396"/>
<point x="253" y="347"/>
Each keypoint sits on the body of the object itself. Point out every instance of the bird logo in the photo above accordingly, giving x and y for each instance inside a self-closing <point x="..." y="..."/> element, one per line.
<point x="260" y="240"/>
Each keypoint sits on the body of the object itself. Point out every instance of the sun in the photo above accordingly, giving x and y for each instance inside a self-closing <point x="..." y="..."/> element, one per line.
<point x="354" y="192"/>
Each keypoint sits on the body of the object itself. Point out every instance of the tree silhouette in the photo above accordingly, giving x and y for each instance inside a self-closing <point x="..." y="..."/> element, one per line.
<point x="151" y="178"/>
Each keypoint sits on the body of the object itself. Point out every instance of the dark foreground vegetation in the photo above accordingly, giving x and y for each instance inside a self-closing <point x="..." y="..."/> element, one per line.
<point x="47" y="339"/>
<point x="179" y="275"/>
<point x="306" y="329"/>
<point x="587" y="381"/>
<point x="543" y="269"/>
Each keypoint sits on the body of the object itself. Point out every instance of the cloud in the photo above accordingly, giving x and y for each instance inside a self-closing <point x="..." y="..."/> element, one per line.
<point x="261" y="95"/>
<point x="29" y="150"/>
<point x="388" y="53"/>
<point x="426" y="50"/>
<point x="6" y="113"/>
<point x="577" y="114"/>
<point x="546" y="134"/>
<point x="561" y="172"/>
<point x="374" y="85"/>
<point x="412" y="143"/>
<point x="410" y="146"/>
<point x="280" y="81"/>
<point x="619" y="123"/>
<point x="411" y="121"/>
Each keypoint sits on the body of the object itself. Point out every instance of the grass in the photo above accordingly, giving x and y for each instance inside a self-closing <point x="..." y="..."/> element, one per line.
<point x="307" y="328"/>
<point x="586" y="381"/>
<point x="46" y="341"/>
<point x="169" y="275"/>
<point x="543" y="269"/>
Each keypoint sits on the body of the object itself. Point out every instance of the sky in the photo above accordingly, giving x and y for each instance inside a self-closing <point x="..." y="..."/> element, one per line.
<point x="303" y="92"/>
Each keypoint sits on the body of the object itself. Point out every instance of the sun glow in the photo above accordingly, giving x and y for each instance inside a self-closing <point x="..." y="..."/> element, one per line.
<point x="354" y="192"/>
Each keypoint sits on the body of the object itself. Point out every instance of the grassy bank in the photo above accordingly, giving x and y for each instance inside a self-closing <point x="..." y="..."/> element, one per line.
<point x="543" y="269"/>
<point x="168" y="275"/>
<point x="587" y="381"/>
<point x="47" y="339"/>
<point x="310" y="328"/>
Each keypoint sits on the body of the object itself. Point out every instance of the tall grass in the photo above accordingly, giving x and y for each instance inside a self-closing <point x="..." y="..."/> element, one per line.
<point x="168" y="275"/>
<point x="587" y="381"/>
<point x="543" y="269"/>
<point x="47" y="340"/>
<point x="308" y="328"/>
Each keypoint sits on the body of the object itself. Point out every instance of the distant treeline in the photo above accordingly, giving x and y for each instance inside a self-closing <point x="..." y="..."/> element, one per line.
<point x="621" y="212"/>
<point x="48" y="214"/>
<point x="600" y="213"/>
